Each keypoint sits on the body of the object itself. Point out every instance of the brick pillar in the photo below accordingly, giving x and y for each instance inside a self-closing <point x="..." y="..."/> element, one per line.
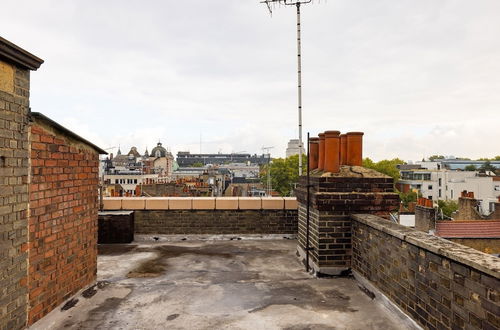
<point x="15" y="66"/>
<point x="425" y="218"/>
<point x="334" y="197"/>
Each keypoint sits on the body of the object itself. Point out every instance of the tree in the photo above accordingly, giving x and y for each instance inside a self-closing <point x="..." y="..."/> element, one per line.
<point x="408" y="197"/>
<point x="434" y="157"/>
<point x="448" y="207"/>
<point x="487" y="166"/>
<point x="198" y="164"/>
<point x="470" y="167"/>
<point x="284" y="174"/>
<point x="386" y="166"/>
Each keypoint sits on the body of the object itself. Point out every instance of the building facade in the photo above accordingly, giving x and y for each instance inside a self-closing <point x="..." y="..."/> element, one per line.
<point x="293" y="148"/>
<point x="437" y="182"/>
<point x="185" y="158"/>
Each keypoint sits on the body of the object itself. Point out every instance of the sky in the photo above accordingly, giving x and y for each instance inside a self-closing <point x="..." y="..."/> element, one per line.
<point x="418" y="77"/>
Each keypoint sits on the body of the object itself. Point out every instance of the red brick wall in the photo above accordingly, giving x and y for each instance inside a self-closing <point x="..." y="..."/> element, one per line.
<point x="63" y="219"/>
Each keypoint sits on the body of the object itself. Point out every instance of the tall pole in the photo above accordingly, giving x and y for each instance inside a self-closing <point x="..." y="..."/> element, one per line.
<point x="299" y="85"/>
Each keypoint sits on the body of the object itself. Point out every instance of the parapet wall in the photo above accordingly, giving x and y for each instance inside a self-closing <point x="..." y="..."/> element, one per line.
<point x="206" y="215"/>
<point x="441" y="284"/>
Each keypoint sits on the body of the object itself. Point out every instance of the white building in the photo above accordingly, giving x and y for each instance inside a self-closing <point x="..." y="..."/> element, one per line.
<point x="129" y="181"/>
<point x="293" y="148"/>
<point x="437" y="183"/>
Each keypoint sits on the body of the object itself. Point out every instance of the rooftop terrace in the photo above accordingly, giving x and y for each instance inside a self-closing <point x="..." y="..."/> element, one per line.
<point x="216" y="284"/>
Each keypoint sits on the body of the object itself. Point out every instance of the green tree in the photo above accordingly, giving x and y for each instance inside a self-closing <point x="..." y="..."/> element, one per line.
<point x="386" y="166"/>
<point x="487" y="166"/>
<point x="471" y="167"/>
<point x="198" y="164"/>
<point x="408" y="197"/>
<point x="434" y="157"/>
<point x="448" y="207"/>
<point x="284" y="173"/>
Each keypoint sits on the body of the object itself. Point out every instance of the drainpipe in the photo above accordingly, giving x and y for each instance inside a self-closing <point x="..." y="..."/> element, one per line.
<point x="307" y="209"/>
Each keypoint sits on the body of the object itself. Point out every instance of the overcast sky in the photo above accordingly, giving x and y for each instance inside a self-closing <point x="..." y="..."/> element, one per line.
<point x="418" y="77"/>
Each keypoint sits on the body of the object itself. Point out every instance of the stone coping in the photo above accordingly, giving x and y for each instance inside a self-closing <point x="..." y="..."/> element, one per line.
<point x="473" y="258"/>
<point x="200" y="203"/>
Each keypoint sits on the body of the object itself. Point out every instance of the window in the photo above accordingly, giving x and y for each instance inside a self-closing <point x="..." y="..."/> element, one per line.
<point x="440" y="182"/>
<point x="439" y="193"/>
<point x="429" y="187"/>
<point x="135" y="181"/>
<point x="429" y="197"/>
<point x="452" y="194"/>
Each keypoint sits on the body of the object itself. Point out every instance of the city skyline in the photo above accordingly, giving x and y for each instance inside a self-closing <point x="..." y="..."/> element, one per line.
<point x="417" y="78"/>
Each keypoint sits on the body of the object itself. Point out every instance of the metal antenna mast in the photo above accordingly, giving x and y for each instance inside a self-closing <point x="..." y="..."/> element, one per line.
<point x="268" y="169"/>
<point x="297" y="3"/>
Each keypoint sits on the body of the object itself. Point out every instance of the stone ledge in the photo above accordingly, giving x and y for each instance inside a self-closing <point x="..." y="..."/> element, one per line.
<point x="200" y="203"/>
<point x="473" y="258"/>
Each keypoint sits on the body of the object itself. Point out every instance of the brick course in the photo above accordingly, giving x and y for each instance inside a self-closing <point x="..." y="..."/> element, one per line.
<point x="442" y="285"/>
<point x="216" y="222"/>
<point x="63" y="218"/>
<point x="14" y="107"/>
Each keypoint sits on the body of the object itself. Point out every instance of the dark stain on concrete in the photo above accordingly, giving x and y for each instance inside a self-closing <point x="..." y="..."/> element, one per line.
<point x="114" y="249"/>
<point x="158" y="265"/>
<point x="309" y="327"/>
<point x="90" y="292"/>
<point x="304" y="296"/>
<point x="172" y="317"/>
<point x="367" y="292"/>
<point x="110" y="304"/>
<point x="69" y="304"/>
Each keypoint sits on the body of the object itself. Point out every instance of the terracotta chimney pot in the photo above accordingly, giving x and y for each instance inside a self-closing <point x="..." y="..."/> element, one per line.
<point x="313" y="153"/>
<point x="343" y="149"/>
<point x="332" y="151"/>
<point x="321" y="154"/>
<point x="355" y="148"/>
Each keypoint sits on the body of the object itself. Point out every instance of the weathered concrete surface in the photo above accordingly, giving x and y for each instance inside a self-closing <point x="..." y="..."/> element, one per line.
<point x="239" y="284"/>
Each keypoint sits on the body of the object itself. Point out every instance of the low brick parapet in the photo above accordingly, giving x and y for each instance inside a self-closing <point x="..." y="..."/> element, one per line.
<point x="441" y="284"/>
<point x="209" y="215"/>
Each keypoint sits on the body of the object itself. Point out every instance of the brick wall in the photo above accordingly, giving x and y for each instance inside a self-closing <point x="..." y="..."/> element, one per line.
<point x="216" y="222"/>
<point x="332" y="200"/>
<point x="63" y="218"/>
<point x="14" y="107"/>
<point x="440" y="284"/>
<point x="425" y="218"/>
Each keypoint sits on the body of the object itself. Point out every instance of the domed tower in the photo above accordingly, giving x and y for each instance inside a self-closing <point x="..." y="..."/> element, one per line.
<point x="158" y="151"/>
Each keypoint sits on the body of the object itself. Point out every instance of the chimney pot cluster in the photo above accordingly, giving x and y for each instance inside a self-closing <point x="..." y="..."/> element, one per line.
<point x="422" y="201"/>
<point x="467" y="194"/>
<point x="331" y="149"/>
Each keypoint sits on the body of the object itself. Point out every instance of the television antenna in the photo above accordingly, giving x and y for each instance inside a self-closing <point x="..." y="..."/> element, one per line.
<point x="268" y="193"/>
<point x="297" y="3"/>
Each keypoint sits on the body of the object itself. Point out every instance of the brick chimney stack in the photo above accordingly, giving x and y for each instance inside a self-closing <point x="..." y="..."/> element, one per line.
<point x="339" y="187"/>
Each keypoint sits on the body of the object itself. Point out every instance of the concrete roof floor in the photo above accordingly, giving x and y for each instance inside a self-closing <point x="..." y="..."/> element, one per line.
<point x="217" y="284"/>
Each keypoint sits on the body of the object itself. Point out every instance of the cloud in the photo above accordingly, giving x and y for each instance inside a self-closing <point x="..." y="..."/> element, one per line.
<point x="415" y="76"/>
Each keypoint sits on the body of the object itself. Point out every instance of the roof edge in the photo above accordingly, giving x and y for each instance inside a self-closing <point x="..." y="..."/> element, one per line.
<point x="18" y="56"/>
<point x="40" y="116"/>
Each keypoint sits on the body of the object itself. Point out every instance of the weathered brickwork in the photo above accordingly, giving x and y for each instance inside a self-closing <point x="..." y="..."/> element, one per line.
<point x="63" y="218"/>
<point x="14" y="107"/>
<point x="440" y="284"/>
<point x="425" y="218"/>
<point x="115" y="227"/>
<point x="329" y="236"/>
<point x="217" y="222"/>
<point x="332" y="201"/>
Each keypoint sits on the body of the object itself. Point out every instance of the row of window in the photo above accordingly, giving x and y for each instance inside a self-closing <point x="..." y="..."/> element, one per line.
<point x="126" y="181"/>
